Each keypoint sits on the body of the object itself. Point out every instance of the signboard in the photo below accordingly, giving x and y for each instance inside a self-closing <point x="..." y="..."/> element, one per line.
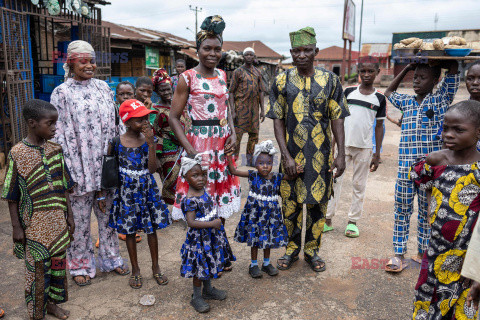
<point x="349" y="21"/>
<point x="152" y="58"/>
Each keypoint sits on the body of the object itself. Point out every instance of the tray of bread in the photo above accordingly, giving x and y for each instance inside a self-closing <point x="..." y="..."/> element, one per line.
<point x="447" y="48"/>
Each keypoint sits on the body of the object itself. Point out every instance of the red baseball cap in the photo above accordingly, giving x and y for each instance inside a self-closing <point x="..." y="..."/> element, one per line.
<point x="132" y="108"/>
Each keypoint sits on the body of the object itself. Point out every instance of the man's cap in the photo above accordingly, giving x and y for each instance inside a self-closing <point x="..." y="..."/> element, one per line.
<point x="303" y="37"/>
<point x="248" y="49"/>
<point x="132" y="108"/>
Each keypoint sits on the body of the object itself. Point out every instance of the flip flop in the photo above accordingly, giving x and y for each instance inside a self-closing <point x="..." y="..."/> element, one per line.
<point x="136" y="283"/>
<point x="82" y="284"/>
<point x="327" y="228"/>
<point x="352" y="231"/>
<point x="417" y="259"/>
<point x="396" y="261"/>
<point x="2" y="313"/>
<point x="315" y="262"/>
<point x="288" y="260"/>
<point x="124" y="272"/>
<point x="160" y="278"/>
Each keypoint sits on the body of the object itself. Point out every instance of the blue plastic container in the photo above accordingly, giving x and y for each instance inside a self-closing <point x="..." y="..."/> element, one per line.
<point x="44" y="96"/>
<point x="458" y="52"/>
<point x="50" y="82"/>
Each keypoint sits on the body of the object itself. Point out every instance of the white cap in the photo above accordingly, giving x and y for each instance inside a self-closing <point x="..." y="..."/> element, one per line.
<point x="248" y="49"/>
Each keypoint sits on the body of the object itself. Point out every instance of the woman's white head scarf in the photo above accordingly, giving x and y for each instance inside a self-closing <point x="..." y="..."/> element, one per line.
<point x="77" y="49"/>
<point x="264" y="147"/>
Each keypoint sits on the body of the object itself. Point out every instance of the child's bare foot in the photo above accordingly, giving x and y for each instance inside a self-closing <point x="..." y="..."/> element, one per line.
<point x="57" y="312"/>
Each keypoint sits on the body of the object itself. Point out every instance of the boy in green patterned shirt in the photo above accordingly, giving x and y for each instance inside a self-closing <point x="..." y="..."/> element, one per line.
<point x="36" y="186"/>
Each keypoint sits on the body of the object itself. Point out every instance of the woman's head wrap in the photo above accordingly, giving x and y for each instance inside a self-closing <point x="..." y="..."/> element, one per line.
<point x="212" y="26"/>
<point x="264" y="147"/>
<point x="188" y="163"/>
<point x="161" y="76"/>
<point x="76" y="50"/>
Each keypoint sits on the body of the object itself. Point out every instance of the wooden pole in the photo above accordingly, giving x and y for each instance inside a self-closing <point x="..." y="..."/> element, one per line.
<point x="349" y="58"/>
<point x="342" y="72"/>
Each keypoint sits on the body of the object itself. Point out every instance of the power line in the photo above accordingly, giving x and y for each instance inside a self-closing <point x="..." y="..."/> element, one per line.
<point x="197" y="10"/>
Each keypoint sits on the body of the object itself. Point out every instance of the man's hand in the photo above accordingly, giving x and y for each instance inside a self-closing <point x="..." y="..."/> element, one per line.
<point x="339" y="164"/>
<point x="262" y="115"/>
<point x="18" y="235"/>
<point x="289" y="166"/>
<point x="230" y="143"/>
<point x="375" y="162"/>
<point x="474" y="295"/>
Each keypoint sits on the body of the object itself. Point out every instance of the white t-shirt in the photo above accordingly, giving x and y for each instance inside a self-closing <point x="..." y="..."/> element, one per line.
<point x="363" y="111"/>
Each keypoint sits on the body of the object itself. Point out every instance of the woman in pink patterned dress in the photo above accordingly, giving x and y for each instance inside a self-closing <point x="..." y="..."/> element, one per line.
<point x="203" y="90"/>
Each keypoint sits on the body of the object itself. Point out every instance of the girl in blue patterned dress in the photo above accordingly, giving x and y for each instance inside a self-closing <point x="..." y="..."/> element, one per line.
<point x="261" y="224"/>
<point x="206" y="250"/>
<point x="137" y="205"/>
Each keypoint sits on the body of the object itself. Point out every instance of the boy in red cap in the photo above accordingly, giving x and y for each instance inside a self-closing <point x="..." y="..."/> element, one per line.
<point x="137" y="205"/>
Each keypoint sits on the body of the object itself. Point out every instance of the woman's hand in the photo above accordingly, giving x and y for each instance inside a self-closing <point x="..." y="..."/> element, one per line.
<point x="230" y="143"/>
<point x="100" y="197"/>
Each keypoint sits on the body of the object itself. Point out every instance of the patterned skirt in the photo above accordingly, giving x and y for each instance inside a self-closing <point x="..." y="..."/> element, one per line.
<point x="205" y="253"/>
<point x="137" y="205"/>
<point x="223" y="187"/>
<point x="261" y="225"/>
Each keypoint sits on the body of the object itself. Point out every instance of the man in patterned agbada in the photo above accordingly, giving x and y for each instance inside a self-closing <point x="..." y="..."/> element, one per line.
<point x="307" y="104"/>
<point x="246" y="99"/>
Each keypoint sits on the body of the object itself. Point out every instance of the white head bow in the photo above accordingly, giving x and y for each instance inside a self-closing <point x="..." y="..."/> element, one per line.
<point x="264" y="147"/>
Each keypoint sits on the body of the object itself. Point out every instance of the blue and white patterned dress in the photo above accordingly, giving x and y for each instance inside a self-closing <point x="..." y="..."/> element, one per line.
<point x="261" y="224"/>
<point x="205" y="251"/>
<point x="137" y="204"/>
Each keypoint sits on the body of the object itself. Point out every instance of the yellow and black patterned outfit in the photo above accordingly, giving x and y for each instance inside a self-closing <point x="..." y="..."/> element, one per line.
<point x="307" y="105"/>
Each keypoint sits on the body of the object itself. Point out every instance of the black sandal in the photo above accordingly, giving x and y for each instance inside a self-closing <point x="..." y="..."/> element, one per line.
<point x="82" y="284"/>
<point x="288" y="259"/>
<point x="315" y="262"/>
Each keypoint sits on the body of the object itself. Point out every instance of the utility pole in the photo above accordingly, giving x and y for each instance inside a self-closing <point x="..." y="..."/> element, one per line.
<point x="197" y="10"/>
<point x="436" y="21"/>
<point x="360" y="37"/>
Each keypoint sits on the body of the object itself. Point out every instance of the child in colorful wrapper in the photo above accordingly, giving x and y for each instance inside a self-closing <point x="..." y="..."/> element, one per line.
<point x="36" y="187"/>
<point x="206" y="250"/>
<point x="451" y="178"/>
<point x="422" y="117"/>
<point x="261" y="224"/>
<point x="137" y="204"/>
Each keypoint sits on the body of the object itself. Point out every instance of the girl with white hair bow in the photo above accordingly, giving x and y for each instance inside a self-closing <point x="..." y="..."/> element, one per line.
<point x="261" y="225"/>
<point x="206" y="251"/>
<point x="86" y="122"/>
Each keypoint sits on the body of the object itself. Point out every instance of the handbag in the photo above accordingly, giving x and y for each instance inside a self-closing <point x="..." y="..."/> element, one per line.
<point x="110" y="177"/>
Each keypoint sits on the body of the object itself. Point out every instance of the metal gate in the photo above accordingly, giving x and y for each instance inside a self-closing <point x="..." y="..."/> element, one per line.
<point x="16" y="86"/>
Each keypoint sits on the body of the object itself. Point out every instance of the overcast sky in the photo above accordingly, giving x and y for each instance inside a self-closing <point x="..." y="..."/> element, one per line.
<point x="271" y="20"/>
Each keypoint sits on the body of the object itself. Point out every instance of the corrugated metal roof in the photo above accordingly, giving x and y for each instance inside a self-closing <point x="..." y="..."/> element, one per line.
<point x="334" y="53"/>
<point x="376" y="49"/>
<point x="123" y="32"/>
<point x="261" y="49"/>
